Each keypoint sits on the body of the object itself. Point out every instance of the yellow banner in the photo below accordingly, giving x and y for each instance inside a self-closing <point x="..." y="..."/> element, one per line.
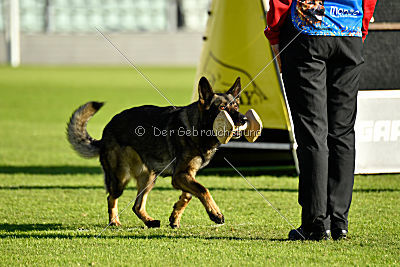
<point x="235" y="46"/>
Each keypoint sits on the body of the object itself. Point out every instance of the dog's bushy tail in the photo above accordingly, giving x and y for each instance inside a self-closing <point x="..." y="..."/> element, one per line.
<point x="77" y="134"/>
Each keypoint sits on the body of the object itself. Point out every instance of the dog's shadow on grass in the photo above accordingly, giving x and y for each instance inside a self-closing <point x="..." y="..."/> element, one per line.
<point x="50" y="170"/>
<point x="139" y="237"/>
<point x="40" y="231"/>
<point x="174" y="237"/>
<point x="7" y="227"/>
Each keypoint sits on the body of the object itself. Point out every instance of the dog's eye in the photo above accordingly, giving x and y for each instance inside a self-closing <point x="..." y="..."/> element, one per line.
<point x="221" y="107"/>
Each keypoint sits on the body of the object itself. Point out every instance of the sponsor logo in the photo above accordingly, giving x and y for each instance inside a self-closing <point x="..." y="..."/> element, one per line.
<point x="341" y="12"/>
<point x="378" y="131"/>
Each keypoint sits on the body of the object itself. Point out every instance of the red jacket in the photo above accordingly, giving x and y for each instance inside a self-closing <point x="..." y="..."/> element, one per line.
<point x="279" y="10"/>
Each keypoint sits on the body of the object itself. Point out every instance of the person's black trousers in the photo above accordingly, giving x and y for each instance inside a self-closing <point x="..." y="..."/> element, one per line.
<point x="321" y="79"/>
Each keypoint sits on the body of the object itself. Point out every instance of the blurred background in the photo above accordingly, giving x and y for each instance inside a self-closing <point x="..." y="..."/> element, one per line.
<point x="153" y="32"/>
<point x="156" y="32"/>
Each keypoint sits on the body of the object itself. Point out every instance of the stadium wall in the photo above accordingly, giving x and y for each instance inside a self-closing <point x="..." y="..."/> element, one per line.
<point x="179" y="48"/>
<point x="3" y="50"/>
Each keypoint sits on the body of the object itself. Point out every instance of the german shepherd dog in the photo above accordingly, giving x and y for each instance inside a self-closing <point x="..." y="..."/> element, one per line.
<point x="126" y="152"/>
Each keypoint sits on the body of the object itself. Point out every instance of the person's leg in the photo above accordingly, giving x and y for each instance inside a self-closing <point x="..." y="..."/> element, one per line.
<point x="343" y="79"/>
<point x="304" y="76"/>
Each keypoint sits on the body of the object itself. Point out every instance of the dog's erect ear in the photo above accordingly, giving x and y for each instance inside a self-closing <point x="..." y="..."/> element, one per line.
<point x="206" y="93"/>
<point x="235" y="89"/>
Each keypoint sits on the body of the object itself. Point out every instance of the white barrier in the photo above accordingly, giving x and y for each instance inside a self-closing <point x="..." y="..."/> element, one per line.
<point x="14" y="42"/>
<point x="378" y="132"/>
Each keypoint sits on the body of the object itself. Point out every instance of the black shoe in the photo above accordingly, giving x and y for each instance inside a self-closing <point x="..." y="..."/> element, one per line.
<point x="300" y="234"/>
<point x="297" y="234"/>
<point x="322" y="235"/>
<point x="339" y="234"/>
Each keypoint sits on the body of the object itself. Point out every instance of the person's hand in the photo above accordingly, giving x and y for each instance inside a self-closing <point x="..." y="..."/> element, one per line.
<point x="275" y="49"/>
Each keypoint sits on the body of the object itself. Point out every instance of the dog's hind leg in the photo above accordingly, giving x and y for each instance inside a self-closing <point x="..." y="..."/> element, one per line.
<point x="179" y="208"/>
<point x="113" y="211"/>
<point x="116" y="176"/>
<point x="145" y="182"/>
<point x="115" y="187"/>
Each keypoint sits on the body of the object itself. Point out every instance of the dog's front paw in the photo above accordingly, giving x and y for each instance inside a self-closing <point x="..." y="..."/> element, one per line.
<point x="174" y="226"/>
<point x="115" y="222"/>
<point x="218" y="218"/>
<point x="153" y="224"/>
<point x="173" y="222"/>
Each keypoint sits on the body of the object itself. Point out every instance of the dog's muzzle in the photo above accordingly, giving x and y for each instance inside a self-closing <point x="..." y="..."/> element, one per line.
<point x="225" y="129"/>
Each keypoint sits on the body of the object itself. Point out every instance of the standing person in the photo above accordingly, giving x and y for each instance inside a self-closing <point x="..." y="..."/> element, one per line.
<point x="321" y="64"/>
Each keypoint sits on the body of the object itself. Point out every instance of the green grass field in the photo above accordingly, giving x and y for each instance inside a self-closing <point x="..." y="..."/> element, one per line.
<point x="53" y="203"/>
